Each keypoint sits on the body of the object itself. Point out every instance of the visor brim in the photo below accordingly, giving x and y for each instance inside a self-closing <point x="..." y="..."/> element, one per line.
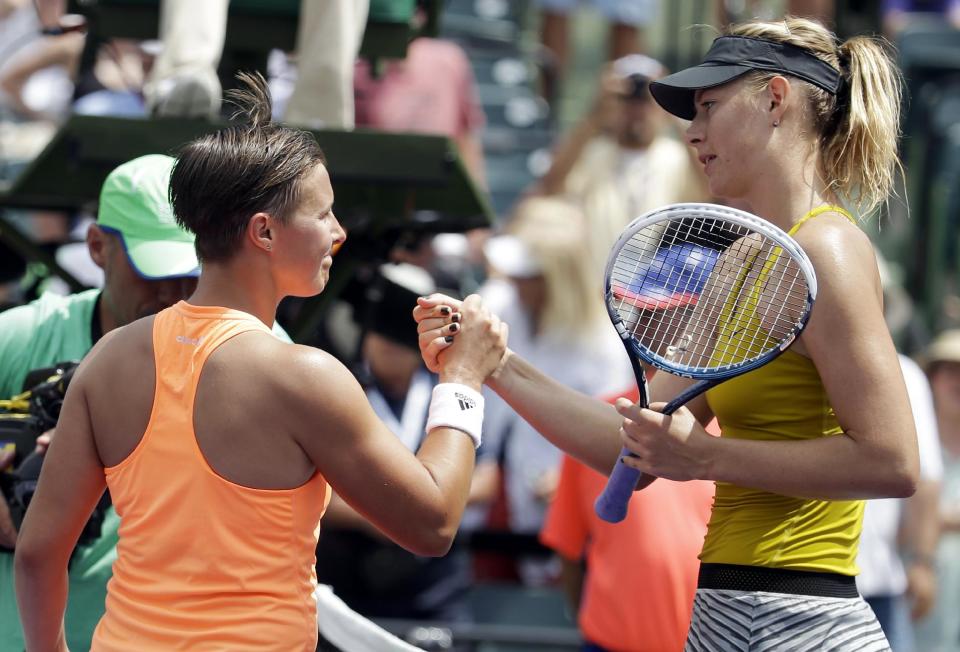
<point x="675" y="93"/>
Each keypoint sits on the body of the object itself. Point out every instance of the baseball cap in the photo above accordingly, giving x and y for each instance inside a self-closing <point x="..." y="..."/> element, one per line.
<point x="732" y="56"/>
<point x="135" y="204"/>
<point x="638" y="70"/>
<point x="944" y="348"/>
<point x="674" y="278"/>
<point x="510" y="256"/>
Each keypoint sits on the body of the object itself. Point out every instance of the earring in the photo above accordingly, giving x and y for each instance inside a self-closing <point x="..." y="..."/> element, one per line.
<point x="776" y="123"/>
<point x="268" y="247"/>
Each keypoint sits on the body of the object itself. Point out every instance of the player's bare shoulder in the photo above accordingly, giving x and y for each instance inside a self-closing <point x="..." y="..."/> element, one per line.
<point x="840" y="251"/>
<point x="125" y="348"/>
<point x="302" y="378"/>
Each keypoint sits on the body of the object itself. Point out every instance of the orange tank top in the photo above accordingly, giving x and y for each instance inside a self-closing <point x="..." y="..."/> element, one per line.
<point x="204" y="563"/>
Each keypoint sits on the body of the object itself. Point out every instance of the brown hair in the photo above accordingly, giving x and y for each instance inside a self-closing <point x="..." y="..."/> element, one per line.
<point x="222" y="179"/>
<point x="857" y="129"/>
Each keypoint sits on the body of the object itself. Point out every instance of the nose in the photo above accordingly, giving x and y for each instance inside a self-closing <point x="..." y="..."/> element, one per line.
<point x="339" y="233"/>
<point x="694" y="133"/>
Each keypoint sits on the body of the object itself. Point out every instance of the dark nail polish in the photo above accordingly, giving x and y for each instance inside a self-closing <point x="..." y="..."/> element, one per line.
<point x="456" y="317"/>
<point x="448" y="339"/>
<point x="454" y="328"/>
<point x="444" y="310"/>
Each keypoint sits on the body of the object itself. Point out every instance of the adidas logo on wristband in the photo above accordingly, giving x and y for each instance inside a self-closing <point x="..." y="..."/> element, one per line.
<point x="466" y="403"/>
<point x="456" y="406"/>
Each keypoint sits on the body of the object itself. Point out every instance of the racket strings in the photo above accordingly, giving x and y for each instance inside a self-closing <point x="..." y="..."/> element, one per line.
<point x="706" y="293"/>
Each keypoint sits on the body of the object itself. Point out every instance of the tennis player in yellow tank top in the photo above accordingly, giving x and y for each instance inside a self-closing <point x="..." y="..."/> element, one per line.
<point x="791" y="123"/>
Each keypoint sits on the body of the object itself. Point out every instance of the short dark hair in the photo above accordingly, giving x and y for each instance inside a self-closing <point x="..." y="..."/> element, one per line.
<point x="222" y="179"/>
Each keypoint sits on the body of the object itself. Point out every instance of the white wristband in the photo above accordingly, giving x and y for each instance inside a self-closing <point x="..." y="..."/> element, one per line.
<point x="457" y="406"/>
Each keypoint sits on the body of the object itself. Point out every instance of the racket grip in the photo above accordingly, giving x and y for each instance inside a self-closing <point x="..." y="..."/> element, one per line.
<point x="611" y="505"/>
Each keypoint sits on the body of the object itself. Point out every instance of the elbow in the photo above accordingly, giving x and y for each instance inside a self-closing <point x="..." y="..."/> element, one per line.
<point x="904" y="481"/>
<point x="27" y="561"/>
<point x="433" y="538"/>
<point x="435" y="542"/>
<point x="900" y="477"/>
<point x="437" y="546"/>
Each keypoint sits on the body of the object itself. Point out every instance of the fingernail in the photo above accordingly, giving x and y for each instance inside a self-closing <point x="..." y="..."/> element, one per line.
<point x="454" y="328"/>
<point x="448" y="339"/>
<point x="444" y="310"/>
<point x="456" y="316"/>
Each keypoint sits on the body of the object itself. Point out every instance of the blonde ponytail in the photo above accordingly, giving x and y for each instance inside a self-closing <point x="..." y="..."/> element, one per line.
<point x="859" y="155"/>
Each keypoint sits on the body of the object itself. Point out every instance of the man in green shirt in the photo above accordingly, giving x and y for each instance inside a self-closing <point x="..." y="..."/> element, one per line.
<point x="149" y="263"/>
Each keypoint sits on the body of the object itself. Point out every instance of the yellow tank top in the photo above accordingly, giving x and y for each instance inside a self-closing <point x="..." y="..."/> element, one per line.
<point x="204" y="563"/>
<point x="782" y="400"/>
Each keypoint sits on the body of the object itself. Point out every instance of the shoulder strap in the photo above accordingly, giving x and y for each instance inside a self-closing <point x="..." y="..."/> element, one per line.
<point x="819" y="210"/>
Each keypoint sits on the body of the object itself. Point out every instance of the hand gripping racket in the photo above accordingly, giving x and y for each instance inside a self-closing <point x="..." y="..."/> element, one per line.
<point x="705" y="292"/>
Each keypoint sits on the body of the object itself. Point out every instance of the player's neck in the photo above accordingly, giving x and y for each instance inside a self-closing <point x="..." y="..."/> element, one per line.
<point x="785" y="198"/>
<point x="227" y="285"/>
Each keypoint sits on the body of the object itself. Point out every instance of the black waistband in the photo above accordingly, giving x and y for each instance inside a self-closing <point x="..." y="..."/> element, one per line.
<point x="732" y="577"/>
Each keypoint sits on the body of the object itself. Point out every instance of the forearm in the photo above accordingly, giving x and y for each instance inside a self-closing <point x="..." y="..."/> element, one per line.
<point x="584" y="427"/>
<point x="448" y="456"/>
<point x="921" y="522"/>
<point x="42" y="599"/>
<point x="471" y="151"/>
<point x="50" y="11"/>
<point x="828" y="468"/>
<point x="571" y="579"/>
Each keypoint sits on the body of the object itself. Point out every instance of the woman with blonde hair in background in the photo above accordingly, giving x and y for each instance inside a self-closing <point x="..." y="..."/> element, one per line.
<point x="545" y="287"/>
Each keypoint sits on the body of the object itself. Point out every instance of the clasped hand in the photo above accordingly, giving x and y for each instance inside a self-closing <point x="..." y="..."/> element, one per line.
<point x="460" y="339"/>
<point x="674" y="447"/>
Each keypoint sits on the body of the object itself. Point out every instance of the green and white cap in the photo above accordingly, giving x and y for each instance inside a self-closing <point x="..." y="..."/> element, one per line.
<point x="135" y="204"/>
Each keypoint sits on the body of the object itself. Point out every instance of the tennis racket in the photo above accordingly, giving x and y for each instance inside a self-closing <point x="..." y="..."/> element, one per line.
<point x="705" y="292"/>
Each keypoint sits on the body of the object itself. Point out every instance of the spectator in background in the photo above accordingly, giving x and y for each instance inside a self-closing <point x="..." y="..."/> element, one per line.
<point x="619" y="161"/>
<point x="941" y="631"/>
<point x="897" y="15"/>
<point x="546" y="290"/>
<point x="899" y="536"/>
<point x="370" y="573"/>
<point x="430" y="91"/>
<point x="149" y="264"/>
<point x="184" y="79"/>
<point x="902" y="586"/>
<point x="630" y="583"/>
<point x="627" y="19"/>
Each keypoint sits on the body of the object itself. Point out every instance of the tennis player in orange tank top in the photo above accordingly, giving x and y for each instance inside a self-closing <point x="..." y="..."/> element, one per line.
<point x="218" y="441"/>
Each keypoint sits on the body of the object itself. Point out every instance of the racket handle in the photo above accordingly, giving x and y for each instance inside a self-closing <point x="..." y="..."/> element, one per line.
<point x="611" y="506"/>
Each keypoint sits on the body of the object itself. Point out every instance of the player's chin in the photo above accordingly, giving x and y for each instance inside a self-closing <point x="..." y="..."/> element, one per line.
<point x="316" y="285"/>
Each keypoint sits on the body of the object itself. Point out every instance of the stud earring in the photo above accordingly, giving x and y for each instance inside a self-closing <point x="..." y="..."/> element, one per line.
<point x="776" y="123"/>
<point x="269" y="247"/>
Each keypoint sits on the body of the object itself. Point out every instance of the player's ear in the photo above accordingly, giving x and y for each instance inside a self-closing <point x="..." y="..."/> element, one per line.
<point x="776" y="97"/>
<point x="260" y="231"/>
<point x="98" y="242"/>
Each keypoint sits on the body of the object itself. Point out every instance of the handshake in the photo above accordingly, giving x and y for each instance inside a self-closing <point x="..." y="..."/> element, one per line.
<point x="461" y="341"/>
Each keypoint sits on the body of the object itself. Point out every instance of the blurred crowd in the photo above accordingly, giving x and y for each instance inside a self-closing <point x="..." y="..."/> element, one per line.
<point x="540" y="267"/>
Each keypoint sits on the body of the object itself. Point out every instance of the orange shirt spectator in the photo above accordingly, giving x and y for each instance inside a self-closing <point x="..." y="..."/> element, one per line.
<point x="641" y="573"/>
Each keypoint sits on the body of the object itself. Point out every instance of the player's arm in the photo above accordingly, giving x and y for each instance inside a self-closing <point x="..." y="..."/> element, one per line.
<point x="574" y="422"/>
<point x="417" y="500"/>
<point x="847" y="339"/>
<point x="71" y="482"/>
<point x="724" y="278"/>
